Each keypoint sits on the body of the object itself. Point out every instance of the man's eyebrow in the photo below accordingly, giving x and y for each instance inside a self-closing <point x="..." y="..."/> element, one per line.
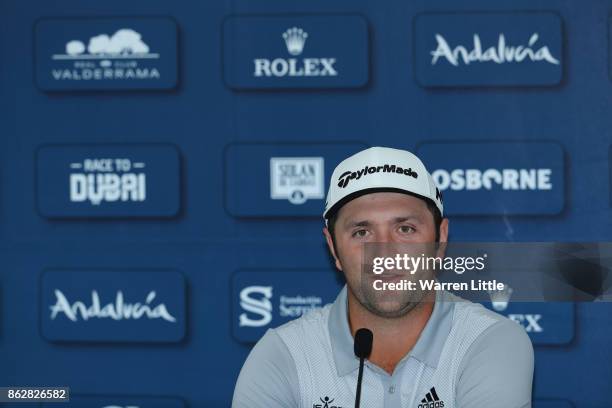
<point x="396" y="220"/>
<point x="352" y="224"/>
<point x="406" y="218"/>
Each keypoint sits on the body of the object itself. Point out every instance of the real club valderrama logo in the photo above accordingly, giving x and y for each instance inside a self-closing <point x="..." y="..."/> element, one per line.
<point x="106" y="56"/>
<point x="295" y="66"/>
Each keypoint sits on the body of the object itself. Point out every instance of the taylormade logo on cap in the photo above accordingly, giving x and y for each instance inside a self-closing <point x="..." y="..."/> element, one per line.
<point x="345" y="177"/>
<point x="371" y="170"/>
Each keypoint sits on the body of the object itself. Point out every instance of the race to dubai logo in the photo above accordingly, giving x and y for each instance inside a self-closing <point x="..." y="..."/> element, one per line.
<point x="116" y="56"/>
<point x="99" y="180"/>
<point x="500" y="53"/>
<point x="296" y="179"/>
<point x="295" y="41"/>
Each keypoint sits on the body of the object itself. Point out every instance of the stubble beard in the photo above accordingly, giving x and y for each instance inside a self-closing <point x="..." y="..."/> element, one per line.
<point x="386" y="304"/>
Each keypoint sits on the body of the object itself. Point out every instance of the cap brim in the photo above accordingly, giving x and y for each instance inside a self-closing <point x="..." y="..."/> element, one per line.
<point x="336" y="207"/>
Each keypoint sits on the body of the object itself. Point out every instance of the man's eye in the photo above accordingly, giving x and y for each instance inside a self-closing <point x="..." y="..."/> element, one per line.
<point x="406" y="229"/>
<point x="360" y="233"/>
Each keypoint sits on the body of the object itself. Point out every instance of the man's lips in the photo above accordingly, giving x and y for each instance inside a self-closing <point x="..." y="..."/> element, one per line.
<point x="385" y="276"/>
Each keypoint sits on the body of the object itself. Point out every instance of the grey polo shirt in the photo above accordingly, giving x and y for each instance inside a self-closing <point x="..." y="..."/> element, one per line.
<point x="496" y="370"/>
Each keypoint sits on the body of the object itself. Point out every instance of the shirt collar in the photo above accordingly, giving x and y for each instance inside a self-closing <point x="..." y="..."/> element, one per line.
<point x="427" y="348"/>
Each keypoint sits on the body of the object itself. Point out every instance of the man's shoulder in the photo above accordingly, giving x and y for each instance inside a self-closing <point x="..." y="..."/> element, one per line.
<point x="277" y="344"/>
<point x="268" y="376"/>
<point x="493" y="327"/>
<point x="474" y="317"/>
<point x="496" y="366"/>
<point x="473" y="312"/>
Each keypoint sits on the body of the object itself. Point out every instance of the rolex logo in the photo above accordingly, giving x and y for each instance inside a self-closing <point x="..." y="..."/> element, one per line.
<point x="500" y="298"/>
<point x="295" y="39"/>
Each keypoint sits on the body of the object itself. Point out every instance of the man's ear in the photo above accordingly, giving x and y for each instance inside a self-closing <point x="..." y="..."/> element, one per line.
<point x="330" y="246"/>
<point x="443" y="238"/>
<point x="444" y="230"/>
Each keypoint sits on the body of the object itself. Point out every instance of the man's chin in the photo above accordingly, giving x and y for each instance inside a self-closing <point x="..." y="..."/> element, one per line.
<point x="390" y="309"/>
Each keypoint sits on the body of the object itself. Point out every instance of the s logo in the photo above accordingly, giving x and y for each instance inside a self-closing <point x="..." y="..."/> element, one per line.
<point x="260" y="305"/>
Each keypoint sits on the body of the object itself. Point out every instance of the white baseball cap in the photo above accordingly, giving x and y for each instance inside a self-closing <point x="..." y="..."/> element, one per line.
<point x="379" y="169"/>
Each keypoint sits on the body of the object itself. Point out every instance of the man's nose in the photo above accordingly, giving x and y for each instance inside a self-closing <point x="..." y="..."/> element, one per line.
<point x="388" y="243"/>
<point x="385" y="236"/>
<point x="382" y="246"/>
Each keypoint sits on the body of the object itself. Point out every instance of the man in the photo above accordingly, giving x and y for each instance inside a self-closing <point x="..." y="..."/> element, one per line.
<point x="430" y="350"/>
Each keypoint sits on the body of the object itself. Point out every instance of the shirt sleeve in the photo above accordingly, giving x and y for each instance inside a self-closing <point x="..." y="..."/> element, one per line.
<point x="497" y="369"/>
<point x="268" y="378"/>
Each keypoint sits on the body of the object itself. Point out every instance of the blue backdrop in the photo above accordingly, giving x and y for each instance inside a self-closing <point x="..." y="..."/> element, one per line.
<point x="163" y="165"/>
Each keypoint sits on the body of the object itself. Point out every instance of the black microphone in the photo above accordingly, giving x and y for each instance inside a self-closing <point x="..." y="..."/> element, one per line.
<point x="363" y="348"/>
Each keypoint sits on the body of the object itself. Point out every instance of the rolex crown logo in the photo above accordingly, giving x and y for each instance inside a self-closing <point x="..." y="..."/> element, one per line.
<point x="501" y="298"/>
<point x="295" y="39"/>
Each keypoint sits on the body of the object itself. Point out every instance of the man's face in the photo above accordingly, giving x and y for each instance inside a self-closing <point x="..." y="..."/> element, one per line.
<point x="389" y="218"/>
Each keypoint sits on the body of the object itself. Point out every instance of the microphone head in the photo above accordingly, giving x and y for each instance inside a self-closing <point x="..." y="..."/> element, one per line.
<point x="363" y="343"/>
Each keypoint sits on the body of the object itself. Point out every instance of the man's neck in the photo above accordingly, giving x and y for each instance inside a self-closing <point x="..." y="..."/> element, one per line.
<point x="393" y="337"/>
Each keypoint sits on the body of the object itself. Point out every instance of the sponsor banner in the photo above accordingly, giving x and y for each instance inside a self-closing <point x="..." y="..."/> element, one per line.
<point x="488" y="178"/>
<point x="546" y="323"/>
<point x="106" y="53"/>
<point x="299" y="51"/>
<point x="112" y="306"/>
<point x="281" y="179"/>
<point x="119" y="401"/>
<point x="488" y="49"/>
<point x="108" y="180"/>
<point x="266" y="299"/>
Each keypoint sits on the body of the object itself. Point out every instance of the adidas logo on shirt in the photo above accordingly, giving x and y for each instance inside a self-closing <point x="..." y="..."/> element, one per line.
<point x="431" y="400"/>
